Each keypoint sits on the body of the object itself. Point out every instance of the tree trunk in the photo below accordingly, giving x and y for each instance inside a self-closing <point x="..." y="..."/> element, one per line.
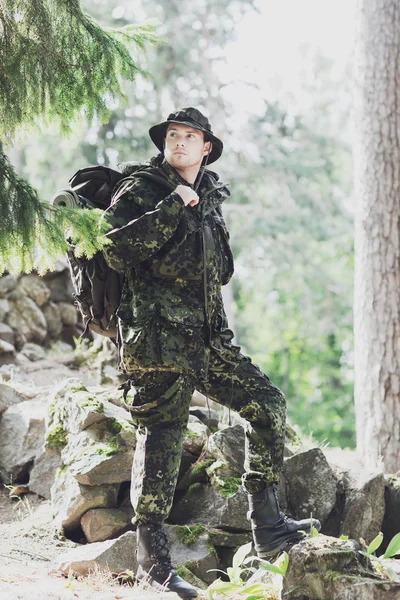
<point x="377" y="239"/>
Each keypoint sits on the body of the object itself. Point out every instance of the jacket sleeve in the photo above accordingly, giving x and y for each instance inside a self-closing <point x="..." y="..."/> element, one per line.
<point x="141" y="227"/>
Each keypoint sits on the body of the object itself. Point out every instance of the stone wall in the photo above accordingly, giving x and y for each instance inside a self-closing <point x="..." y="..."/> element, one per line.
<point x="35" y="312"/>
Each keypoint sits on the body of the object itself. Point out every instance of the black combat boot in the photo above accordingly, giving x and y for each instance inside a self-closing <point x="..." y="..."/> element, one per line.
<point x="154" y="562"/>
<point x="272" y="530"/>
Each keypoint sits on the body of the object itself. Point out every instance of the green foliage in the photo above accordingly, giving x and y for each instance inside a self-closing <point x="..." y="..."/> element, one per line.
<point x="32" y="232"/>
<point x="392" y="550"/>
<point x="188" y="535"/>
<point x="279" y="566"/>
<point x="56" y="436"/>
<point x="59" y="63"/>
<point x="235" y="575"/>
<point x="56" y="65"/>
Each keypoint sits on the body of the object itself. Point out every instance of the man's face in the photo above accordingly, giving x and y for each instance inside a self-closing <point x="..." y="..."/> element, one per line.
<point x="185" y="146"/>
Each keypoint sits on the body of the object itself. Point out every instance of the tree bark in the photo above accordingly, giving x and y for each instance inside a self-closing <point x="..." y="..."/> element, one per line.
<point x="377" y="235"/>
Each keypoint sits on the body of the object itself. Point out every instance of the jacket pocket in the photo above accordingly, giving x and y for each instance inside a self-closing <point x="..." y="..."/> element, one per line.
<point x="139" y="334"/>
<point x="181" y="337"/>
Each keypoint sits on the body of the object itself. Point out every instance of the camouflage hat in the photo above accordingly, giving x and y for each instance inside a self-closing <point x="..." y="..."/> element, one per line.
<point x="192" y="118"/>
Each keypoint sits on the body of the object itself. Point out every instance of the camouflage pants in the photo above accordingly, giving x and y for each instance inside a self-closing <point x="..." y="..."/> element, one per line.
<point x="160" y="410"/>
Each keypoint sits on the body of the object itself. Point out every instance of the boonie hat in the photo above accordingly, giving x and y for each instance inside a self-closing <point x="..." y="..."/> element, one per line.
<point x="192" y="118"/>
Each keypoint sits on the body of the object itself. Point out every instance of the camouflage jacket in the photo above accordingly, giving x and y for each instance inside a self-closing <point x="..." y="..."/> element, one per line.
<point x="175" y="260"/>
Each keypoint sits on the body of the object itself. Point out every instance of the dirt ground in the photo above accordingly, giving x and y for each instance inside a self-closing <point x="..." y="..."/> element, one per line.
<point x="28" y="559"/>
<point x="28" y="547"/>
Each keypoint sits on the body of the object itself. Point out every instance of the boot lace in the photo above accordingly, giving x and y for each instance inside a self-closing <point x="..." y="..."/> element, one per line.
<point x="161" y="553"/>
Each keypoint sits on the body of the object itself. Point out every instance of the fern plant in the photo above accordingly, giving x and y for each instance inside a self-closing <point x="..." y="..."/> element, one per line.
<point x="56" y="65"/>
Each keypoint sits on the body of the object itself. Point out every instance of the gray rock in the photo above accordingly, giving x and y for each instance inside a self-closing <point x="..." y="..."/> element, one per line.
<point x="27" y="318"/>
<point x="33" y="351"/>
<point x="364" y="505"/>
<point x="195" y="436"/>
<point x="391" y="521"/>
<point x="325" y="568"/>
<point x="99" y="524"/>
<point x="111" y="556"/>
<point x="228" y="445"/>
<point x="207" y="416"/>
<point x="227" y="539"/>
<point x="4" y="308"/>
<point x="204" y="505"/>
<point x="53" y="319"/>
<point x="71" y="500"/>
<point x="8" y="283"/>
<point x="100" y="459"/>
<point x="197" y="556"/>
<point x="22" y="430"/>
<point x="95" y="437"/>
<point x="7" y="353"/>
<point x="43" y="474"/>
<point x="34" y="287"/>
<point x="7" y="334"/>
<point x="68" y="314"/>
<point x="81" y="408"/>
<point x="8" y="397"/>
<point x="61" y="288"/>
<point x="311" y="485"/>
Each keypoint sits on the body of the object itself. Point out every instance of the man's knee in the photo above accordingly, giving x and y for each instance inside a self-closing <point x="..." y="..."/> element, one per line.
<point x="266" y="407"/>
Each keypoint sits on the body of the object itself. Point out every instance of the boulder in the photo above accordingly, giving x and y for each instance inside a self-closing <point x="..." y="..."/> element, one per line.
<point x="310" y="484"/>
<point x="97" y="456"/>
<point x="228" y="445"/>
<point x="34" y="287"/>
<point x="7" y="353"/>
<point x="202" y="504"/>
<point x="112" y="556"/>
<point x="391" y="521"/>
<point x="94" y="437"/>
<point x="192" y="549"/>
<point x="53" y="319"/>
<point x="4" y="308"/>
<point x="26" y="317"/>
<point x="364" y="506"/>
<point x="195" y="436"/>
<point x="8" y="283"/>
<point x="207" y="416"/>
<point x="8" y="397"/>
<point x="7" y="334"/>
<point x="33" y="351"/>
<point x="22" y="428"/>
<point x="60" y="285"/>
<point x="99" y="524"/>
<point x="68" y="314"/>
<point x="43" y="474"/>
<point x="325" y="568"/>
<point x="70" y="500"/>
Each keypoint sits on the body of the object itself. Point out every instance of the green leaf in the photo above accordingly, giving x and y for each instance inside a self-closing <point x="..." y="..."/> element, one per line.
<point x="344" y="537"/>
<point x="394" y="547"/>
<point x="240" y="554"/>
<point x="283" y="563"/>
<point x="374" y="545"/>
<point x="256" y="588"/>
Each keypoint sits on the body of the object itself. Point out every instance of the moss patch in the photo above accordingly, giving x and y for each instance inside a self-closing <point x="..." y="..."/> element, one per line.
<point x="90" y="402"/>
<point x="193" y="489"/>
<point x="57" y="436"/>
<point x="188" y="535"/>
<point x="228" y="486"/>
<point x="200" y="467"/>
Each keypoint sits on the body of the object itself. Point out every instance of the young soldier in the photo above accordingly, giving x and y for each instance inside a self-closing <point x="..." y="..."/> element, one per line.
<point x="171" y="241"/>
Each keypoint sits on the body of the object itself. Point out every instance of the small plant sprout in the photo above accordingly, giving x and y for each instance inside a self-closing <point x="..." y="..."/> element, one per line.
<point x="279" y="566"/>
<point x="313" y="531"/>
<point x="236" y="585"/>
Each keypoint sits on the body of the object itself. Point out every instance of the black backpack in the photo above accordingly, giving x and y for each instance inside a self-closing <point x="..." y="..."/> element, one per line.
<point x="97" y="286"/>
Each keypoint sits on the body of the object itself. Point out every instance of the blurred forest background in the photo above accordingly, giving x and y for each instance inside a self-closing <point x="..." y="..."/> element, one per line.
<point x="288" y="161"/>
